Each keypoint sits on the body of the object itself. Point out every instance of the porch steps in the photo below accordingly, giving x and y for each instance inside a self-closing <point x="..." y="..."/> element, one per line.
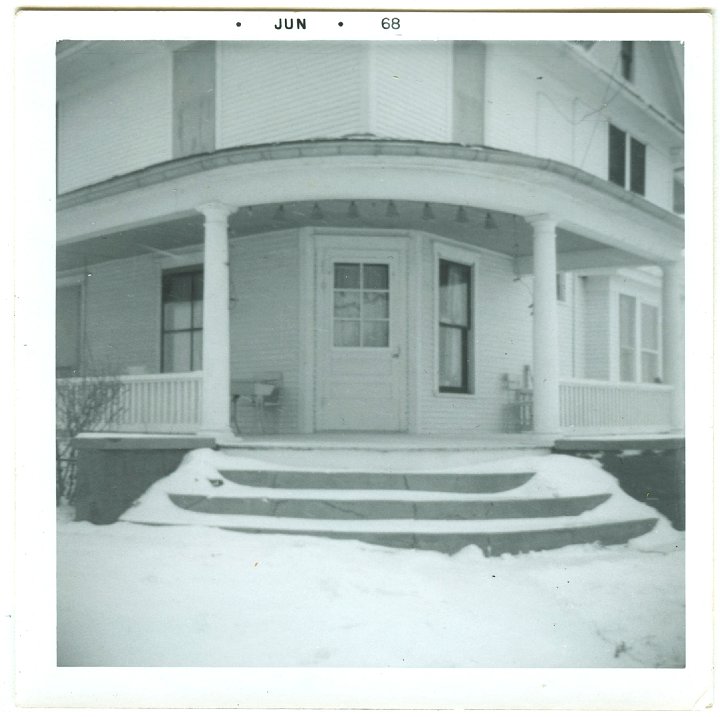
<point x="498" y="509"/>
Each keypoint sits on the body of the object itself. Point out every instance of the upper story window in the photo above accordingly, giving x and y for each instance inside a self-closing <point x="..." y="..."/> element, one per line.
<point x="626" y="160"/>
<point x="182" y="315"/>
<point x="194" y="99"/>
<point x="627" y="56"/>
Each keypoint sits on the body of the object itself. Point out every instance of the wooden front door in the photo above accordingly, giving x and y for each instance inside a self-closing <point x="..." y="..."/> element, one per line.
<point x="361" y="381"/>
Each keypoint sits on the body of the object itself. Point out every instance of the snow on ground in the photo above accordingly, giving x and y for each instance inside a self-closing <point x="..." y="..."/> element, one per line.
<point x="138" y="595"/>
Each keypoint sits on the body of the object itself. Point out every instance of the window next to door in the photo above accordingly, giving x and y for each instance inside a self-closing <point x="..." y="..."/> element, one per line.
<point x="455" y="325"/>
<point x="182" y="299"/>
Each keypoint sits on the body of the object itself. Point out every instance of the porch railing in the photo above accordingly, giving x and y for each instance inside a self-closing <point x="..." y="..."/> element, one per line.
<point x="162" y="403"/>
<point x="603" y="405"/>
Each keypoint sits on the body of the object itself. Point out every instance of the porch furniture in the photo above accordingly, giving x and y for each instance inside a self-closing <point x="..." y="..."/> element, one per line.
<point x="518" y="411"/>
<point x="261" y="391"/>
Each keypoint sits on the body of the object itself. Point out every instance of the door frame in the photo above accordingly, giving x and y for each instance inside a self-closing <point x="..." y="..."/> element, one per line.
<point x="313" y="242"/>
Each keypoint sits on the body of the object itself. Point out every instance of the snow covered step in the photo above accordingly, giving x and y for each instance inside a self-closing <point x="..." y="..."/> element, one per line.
<point x="347" y="480"/>
<point x="506" y="506"/>
<point x="493" y="537"/>
<point x="377" y="507"/>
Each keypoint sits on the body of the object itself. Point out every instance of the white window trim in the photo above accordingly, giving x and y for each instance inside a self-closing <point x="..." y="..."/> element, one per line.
<point x="640" y="301"/>
<point x="458" y="255"/>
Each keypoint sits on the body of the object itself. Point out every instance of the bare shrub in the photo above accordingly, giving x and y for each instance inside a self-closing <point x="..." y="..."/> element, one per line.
<point x="83" y="403"/>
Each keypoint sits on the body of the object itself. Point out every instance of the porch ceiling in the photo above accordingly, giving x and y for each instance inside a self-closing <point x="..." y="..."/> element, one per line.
<point x="507" y="234"/>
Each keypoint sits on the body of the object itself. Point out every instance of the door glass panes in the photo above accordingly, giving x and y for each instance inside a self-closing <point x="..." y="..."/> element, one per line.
<point x="182" y="321"/>
<point x="361" y="305"/>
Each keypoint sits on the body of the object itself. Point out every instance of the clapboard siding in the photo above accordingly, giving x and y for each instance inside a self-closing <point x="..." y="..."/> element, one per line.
<point x="123" y="323"/>
<point x="264" y="274"/>
<point x="292" y="91"/>
<point x="119" y="124"/>
<point x="502" y="344"/>
<point x="597" y="319"/>
<point x="411" y="90"/>
<point x="537" y="112"/>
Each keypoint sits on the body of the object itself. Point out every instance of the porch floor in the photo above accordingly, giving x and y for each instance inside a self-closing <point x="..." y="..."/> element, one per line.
<point x="378" y="441"/>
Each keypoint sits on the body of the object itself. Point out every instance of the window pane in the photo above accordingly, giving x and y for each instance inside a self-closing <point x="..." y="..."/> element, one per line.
<point x="616" y="155"/>
<point x="637" y="167"/>
<point x="347" y="333"/>
<point x="375" y="333"/>
<point x="197" y="314"/>
<point x="196" y="350"/>
<point x="347" y="305"/>
<point x="177" y="287"/>
<point x="454" y="293"/>
<point x="375" y="304"/>
<point x="627" y="365"/>
<point x="198" y="286"/>
<point x="177" y="315"/>
<point x="649" y="327"/>
<point x="375" y="276"/>
<point x="451" y="357"/>
<point x="627" y="321"/>
<point x="649" y="366"/>
<point x="176" y="351"/>
<point x="347" y="276"/>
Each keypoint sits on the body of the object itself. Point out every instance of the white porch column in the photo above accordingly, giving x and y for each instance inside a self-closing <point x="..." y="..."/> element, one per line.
<point x="673" y="338"/>
<point x="215" y="415"/>
<point x="546" y="387"/>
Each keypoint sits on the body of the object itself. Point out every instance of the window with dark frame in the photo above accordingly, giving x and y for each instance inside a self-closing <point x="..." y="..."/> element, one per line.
<point x="626" y="160"/>
<point x="455" y="324"/>
<point x="182" y="315"/>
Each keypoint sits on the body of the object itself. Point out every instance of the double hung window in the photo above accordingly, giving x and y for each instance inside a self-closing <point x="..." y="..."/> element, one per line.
<point x="182" y="315"/>
<point x="455" y="319"/>
<point x="626" y="160"/>
<point x="639" y="340"/>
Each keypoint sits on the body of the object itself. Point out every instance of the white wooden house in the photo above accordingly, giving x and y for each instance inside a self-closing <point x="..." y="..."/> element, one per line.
<point x="407" y="237"/>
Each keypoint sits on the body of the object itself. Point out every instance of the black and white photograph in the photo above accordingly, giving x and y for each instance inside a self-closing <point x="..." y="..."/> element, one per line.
<point x="369" y="347"/>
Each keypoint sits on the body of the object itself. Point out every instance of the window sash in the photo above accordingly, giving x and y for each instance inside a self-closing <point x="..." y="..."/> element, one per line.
<point x="455" y="321"/>
<point x="182" y="309"/>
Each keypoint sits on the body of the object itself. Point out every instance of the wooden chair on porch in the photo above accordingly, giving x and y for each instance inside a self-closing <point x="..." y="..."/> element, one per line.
<point x="261" y="391"/>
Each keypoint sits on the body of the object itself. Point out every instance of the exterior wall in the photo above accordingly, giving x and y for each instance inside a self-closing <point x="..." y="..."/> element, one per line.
<point x="597" y="318"/>
<point x="502" y="343"/>
<point x="119" y="122"/>
<point x="541" y="107"/>
<point x="264" y="335"/>
<point x="306" y="90"/>
<point x="123" y="315"/>
<point x="411" y="90"/>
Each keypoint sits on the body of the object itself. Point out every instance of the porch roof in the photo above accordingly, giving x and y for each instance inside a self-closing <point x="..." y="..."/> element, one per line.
<point x="587" y="207"/>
